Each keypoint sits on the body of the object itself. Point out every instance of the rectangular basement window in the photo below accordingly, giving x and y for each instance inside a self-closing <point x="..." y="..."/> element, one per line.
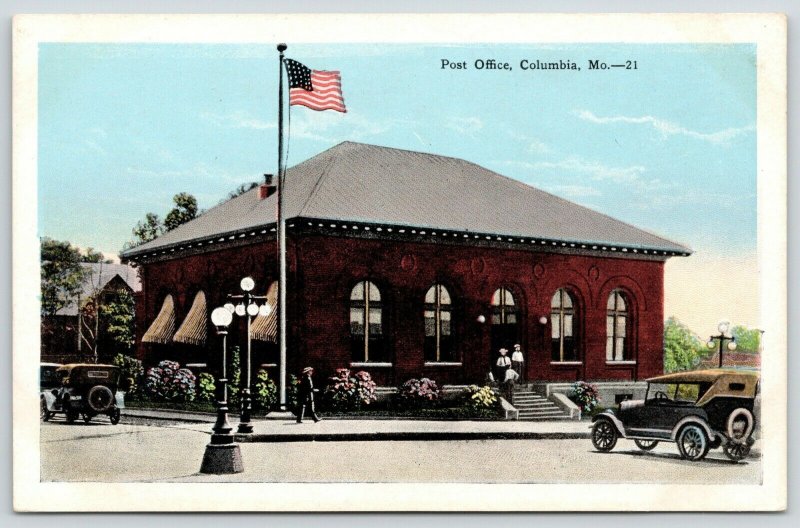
<point x="370" y="364"/>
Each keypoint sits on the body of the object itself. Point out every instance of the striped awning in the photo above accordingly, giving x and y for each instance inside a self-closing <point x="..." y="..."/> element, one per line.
<point x="163" y="326"/>
<point x="265" y="328"/>
<point x="193" y="331"/>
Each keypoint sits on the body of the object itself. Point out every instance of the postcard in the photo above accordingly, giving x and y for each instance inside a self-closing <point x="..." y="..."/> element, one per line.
<point x="399" y="262"/>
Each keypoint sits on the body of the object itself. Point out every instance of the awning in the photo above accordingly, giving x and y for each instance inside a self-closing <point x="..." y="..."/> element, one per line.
<point x="265" y="328"/>
<point x="163" y="326"/>
<point x="193" y="330"/>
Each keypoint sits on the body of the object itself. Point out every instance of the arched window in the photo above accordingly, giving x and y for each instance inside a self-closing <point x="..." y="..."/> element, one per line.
<point x="366" y="323"/>
<point x="617" y="327"/>
<point x="562" y="321"/>
<point x="438" y="325"/>
<point x="504" y="320"/>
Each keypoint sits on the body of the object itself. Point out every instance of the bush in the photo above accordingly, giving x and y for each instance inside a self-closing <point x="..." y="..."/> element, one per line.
<point x="206" y="388"/>
<point x="348" y="393"/>
<point x="265" y="392"/>
<point x="418" y="392"/>
<point x="169" y="382"/>
<point x="585" y="396"/>
<point x="479" y="397"/>
<point x="234" y="377"/>
<point x="131" y="374"/>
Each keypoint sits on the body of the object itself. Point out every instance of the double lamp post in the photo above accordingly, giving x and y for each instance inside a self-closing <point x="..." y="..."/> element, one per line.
<point x="222" y="454"/>
<point x="723" y="327"/>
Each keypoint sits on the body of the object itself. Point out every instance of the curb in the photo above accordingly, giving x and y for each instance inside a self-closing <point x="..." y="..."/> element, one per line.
<point x="407" y="435"/>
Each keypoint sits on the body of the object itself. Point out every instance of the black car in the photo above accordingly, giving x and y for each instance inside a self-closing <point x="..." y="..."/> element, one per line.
<point x="86" y="390"/>
<point x="698" y="410"/>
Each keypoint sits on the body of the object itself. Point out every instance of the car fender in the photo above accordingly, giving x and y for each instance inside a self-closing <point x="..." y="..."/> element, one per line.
<point x="119" y="399"/>
<point x="605" y="415"/>
<point x="694" y="419"/>
<point x="50" y="400"/>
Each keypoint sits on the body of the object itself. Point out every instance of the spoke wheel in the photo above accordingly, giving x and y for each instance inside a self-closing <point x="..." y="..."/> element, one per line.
<point x="693" y="443"/>
<point x="646" y="445"/>
<point x="736" y="452"/>
<point x="604" y="435"/>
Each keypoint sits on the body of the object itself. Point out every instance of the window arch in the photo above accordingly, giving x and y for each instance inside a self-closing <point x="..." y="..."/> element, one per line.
<point x="617" y="323"/>
<point x="366" y="323"/>
<point x="438" y="325"/>
<point x="504" y="309"/>
<point x="562" y="322"/>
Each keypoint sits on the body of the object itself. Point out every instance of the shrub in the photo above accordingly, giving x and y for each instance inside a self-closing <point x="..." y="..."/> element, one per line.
<point x="131" y="374"/>
<point x="585" y="395"/>
<point x="265" y="392"/>
<point x="418" y="392"/>
<point x="479" y="397"/>
<point x="291" y="391"/>
<point x="169" y="382"/>
<point x="346" y="392"/>
<point x="234" y="377"/>
<point x="206" y="388"/>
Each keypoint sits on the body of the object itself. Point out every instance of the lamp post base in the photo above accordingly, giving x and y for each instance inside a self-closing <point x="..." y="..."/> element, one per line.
<point x="222" y="459"/>
<point x="244" y="428"/>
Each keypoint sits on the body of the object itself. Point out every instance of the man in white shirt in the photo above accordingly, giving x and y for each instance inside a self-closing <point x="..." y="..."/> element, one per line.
<point x="517" y="361"/>
<point x="502" y="365"/>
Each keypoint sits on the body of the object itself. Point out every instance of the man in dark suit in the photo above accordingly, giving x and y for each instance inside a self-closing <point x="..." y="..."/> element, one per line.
<point x="305" y="396"/>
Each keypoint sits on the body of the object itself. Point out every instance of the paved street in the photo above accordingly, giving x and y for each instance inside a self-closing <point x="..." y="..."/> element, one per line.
<point x="157" y="451"/>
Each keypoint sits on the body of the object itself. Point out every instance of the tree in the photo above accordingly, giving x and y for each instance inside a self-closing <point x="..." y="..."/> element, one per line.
<point x="118" y="319"/>
<point x="747" y="339"/>
<point x="185" y="209"/>
<point x="93" y="256"/>
<point x="62" y="275"/>
<point x="148" y="230"/>
<point x="240" y="190"/>
<point x="683" y="350"/>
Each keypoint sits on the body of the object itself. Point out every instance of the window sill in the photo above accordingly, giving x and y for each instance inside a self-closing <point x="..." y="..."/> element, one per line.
<point x="369" y="364"/>
<point x="620" y="362"/>
<point x="196" y="365"/>
<point x="443" y="364"/>
<point x="566" y="363"/>
<point x="269" y="365"/>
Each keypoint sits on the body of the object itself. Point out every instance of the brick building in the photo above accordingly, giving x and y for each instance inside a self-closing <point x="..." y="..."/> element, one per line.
<point x="407" y="264"/>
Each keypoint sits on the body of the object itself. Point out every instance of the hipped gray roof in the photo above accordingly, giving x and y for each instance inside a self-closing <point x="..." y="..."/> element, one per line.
<point x="356" y="182"/>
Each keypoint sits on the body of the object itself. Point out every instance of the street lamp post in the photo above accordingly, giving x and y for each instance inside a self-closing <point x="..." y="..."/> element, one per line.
<point x="223" y="455"/>
<point x="247" y="307"/>
<point x="723" y="327"/>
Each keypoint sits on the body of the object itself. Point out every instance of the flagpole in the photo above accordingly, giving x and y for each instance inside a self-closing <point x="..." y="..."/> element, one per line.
<point x="281" y="241"/>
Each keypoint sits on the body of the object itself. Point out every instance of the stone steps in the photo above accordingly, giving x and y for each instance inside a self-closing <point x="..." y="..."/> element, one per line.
<point x="532" y="406"/>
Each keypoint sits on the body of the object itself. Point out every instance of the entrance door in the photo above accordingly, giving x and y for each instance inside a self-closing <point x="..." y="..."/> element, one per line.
<point x="505" y="326"/>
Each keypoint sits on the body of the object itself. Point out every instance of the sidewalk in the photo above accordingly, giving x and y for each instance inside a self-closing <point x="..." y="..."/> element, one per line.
<point x="283" y="428"/>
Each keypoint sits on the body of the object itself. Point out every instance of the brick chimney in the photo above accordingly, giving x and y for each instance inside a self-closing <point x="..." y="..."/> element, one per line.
<point x="266" y="189"/>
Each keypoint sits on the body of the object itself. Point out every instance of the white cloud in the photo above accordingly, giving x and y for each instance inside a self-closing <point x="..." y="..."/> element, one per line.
<point x="238" y="119"/>
<point x="575" y="191"/>
<point x="594" y="169"/>
<point x="467" y="126"/>
<point x="669" y="128"/>
<point x="533" y="145"/>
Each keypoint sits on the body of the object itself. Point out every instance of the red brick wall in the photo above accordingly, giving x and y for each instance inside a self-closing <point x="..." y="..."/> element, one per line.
<point x="324" y="269"/>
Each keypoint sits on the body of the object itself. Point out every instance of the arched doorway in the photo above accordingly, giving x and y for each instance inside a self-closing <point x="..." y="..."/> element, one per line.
<point x="505" y="323"/>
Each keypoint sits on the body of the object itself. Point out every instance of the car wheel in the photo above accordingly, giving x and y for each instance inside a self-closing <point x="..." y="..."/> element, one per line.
<point x="604" y="435"/>
<point x="44" y="414"/>
<point x="646" y="445"/>
<point x="115" y="416"/>
<point x="100" y="398"/>
<point x="736" y="451"/>
<point x="693" y="443"/>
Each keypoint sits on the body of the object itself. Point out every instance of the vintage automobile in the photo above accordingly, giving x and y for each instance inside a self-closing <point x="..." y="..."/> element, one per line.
<point x="84" y="390"/>
<point x="699" y="410"/>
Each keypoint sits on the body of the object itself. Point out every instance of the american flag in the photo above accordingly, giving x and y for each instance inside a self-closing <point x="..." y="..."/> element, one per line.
<point x="315" y="89"/>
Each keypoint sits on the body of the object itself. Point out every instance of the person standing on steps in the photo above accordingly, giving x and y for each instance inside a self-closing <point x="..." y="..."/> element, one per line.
<point x="503" y="364"/>
<point x="517" y="362"/>
<point x="305" y="396"/>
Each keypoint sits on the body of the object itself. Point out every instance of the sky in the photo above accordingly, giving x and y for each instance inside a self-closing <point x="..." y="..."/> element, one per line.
<point x="669" y="146"/>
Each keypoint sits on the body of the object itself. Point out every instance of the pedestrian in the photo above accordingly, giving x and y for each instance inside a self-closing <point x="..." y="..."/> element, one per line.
<point x="517" y="361"/>
<point x="508" y="383"/>
<point x="503" y="364"/>
<point x="305" y="396"/>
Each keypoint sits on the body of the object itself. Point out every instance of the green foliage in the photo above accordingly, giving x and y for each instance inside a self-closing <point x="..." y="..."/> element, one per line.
<point x="131" y="373"/>
<point x="61" y="275"/>
<point x="93" y="256"/>
<point x="585" y="395"/>
<point x="682" y="349"/>
<point x="265" y="392"/>
<point x="185" y="209"/>
<point x="206" y="387"/>
<point x="240" y="190"/>
<point x="235" y="376"/>
<point x="118" y="319"/>
<point x="150" y="229"/>
<point x="291" y="391"/>
<point x="747" y="339"/>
